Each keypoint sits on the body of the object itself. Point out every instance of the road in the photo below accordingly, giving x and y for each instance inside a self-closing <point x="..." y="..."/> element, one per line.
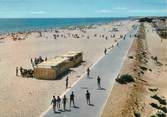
<point x="107" y="68"/>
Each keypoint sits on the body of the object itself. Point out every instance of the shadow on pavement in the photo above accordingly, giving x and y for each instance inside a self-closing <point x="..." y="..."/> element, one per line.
<point x="67" y="110"/>
<point x="76" y="107"/>
<point x="101" y="89"/>
<point x="84" y="87"/>
<point x="91" y="105"/>
<point x="57" y="112"/>
<point x="90" y="77"/>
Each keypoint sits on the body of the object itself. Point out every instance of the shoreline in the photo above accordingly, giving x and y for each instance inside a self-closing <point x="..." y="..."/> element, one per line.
<point x="42" y="29"/>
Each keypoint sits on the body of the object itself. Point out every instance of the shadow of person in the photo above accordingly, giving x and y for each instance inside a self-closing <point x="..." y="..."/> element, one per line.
<point x="84" y="87"/>
<point x="68" y="110"/>
<point x="90" y="77"/>
<point x="101" y="88"/>
<point x="76" y="107"/>
<point x="62" y="110"/>
<point x="91" y="105"/>
<point x="57" y="112"/>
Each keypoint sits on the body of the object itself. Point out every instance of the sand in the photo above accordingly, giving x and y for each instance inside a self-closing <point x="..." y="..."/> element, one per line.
<point x="132" y="99"/>
<point x="29" y="97"/>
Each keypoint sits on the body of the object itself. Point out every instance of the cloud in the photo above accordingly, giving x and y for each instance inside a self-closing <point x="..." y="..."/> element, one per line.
<point x="149" y="11"/>
<point x="123" y="9"/>
<point x="120" y="8"/>
<point x="38" y="12"/>
<point x="104" y="11"/>
<point x="115" y="9"/>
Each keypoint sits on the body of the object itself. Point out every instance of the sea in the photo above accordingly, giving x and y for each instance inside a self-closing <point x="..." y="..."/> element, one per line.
<point x="31" y="24"/>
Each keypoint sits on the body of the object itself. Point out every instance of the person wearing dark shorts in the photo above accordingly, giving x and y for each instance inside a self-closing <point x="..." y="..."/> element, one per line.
<point x="88" y="72"/>
<point x="53" y="102"/>
<point x="67" y="82"/>
<point x="99" y="82"/>
<point x="72" y="99"/>
<point x="105" y="51"/>
<point x="58" y="102"/>
<point x="64" y="101"/>
<point x="88" y="97"/>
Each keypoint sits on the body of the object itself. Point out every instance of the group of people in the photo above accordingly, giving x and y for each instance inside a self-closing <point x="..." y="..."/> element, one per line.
<point x="121" y="36"/>
<point x="57" y="102"/>
<point x="98" y="78"/>
<point x="37" y="61"/>
<point x="57" y="35"/>
<point x="20" y="71"/>
<point x="76" y="35"/>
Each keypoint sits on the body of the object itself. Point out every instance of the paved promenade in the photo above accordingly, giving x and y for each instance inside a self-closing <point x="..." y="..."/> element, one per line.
<point x="107" y="68"/>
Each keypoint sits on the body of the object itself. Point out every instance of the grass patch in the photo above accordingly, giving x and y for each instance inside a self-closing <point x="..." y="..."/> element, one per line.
<point x="143" y="68"/>
<point x="137" y="114"/>
<point x="161" y="100"/>
<point x="159" y="114"/>
<point x="154" y="105"/>
<point x="124" y="79"/>
<point x="130" y="57"/>
<point x="153" y="89"/>
<point x="162" y="108"/>
<point x="153" y="116"/>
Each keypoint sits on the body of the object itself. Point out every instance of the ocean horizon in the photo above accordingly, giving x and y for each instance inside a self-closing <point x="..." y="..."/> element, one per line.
<point x="9" y="25"/>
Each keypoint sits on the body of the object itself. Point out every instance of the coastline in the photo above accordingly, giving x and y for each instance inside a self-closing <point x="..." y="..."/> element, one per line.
<point x="65" y="26"/>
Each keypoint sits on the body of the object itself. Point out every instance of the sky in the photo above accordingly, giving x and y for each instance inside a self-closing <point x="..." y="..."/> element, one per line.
<point x="81" y="8"/>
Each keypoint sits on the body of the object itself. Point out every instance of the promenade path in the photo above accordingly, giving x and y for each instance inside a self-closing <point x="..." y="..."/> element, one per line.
<point x="107" y="68"/>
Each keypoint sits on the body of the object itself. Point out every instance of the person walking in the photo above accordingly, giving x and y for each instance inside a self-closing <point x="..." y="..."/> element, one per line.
<point x="32" y="62"/>
<point x="58" y="102"/>
<point x="21" y="71"/>
<point x="64" y="102"/>
<point x="88" y="72"/>
<point x="124" y="37"/>
<point x="72" y="99"/>
<point x="99" y="82"/>
<point x="53" y="102"/>
<point x="87" y="97"/>
<point x="118" y="76"/>
<point x="105" y="51"/>
<point x="17" y="71"/>
<point x="36" y="61"/>
<point x="67" y="82"/>
<point x="46" y="58"/>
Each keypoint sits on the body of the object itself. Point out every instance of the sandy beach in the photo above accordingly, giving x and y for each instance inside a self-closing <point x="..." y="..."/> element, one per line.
<point x="29" y="97"/>
<point x="146" y="97"/>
